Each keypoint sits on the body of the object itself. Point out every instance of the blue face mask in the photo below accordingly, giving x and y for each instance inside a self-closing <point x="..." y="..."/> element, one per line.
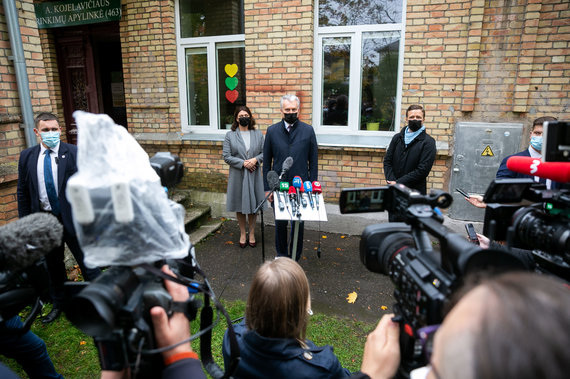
<point x="50" y="139"/>
<point x="536" y="142"/>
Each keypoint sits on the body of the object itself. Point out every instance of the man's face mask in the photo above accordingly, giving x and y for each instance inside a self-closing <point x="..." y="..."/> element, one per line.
<point x="536" y="142"/>
<point x="50" y="139"/>
<point x="414" y="125"/>
<point x="290" y="117"/>
<point x="244" y="121"/>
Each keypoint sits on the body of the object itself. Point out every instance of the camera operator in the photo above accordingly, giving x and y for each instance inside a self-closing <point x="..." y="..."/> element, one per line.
<point x="510" y="326"/>
<point x="180" y="361"/>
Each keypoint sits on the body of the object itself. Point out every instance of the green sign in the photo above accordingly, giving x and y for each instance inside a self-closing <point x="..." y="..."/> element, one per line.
<point x="73" y="12"/>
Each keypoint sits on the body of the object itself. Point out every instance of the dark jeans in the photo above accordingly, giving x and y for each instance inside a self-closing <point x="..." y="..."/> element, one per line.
<point x="283" y="248"/>
<point x="56" y="267"/>
<point x="27" y="349"/>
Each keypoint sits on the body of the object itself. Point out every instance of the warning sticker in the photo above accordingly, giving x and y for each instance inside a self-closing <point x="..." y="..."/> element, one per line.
<point x="487" y="152"/>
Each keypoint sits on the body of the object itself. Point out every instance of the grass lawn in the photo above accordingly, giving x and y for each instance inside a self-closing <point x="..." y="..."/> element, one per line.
<point x="75" y="356"/>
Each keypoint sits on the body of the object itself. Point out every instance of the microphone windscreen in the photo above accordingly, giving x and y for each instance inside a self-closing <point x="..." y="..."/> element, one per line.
<point x="292" y="191"/>
<point x="308" y="186"/>
<point x="287" y="163"/>
<point x="297" y="182"/>
<point x="24" y="241"/>
<point x="317" y="187"/>
<point x="273" y="180"/>
<point x="557" y="171"/>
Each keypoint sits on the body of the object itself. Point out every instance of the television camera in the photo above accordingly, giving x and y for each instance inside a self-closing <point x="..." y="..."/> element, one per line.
<point x="425" y="278"/>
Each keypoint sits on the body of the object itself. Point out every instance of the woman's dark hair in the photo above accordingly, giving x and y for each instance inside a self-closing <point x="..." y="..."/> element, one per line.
<point x="278" y="301"/>
<point x="238" y="109"/>
<point x="524" y="328"/>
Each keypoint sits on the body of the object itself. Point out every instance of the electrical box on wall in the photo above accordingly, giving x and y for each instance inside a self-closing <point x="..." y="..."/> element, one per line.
<point x="479" y="149"/>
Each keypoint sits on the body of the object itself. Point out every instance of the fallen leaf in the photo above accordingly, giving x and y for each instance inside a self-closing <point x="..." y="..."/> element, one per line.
<point x="342" y="236"/>
<point x="228" y="243"/>
<point x="82" y="342"/>
<point x="338" y="249"/>
<point x="383" y="307"/>
<point x="352" y="297"/>
<point x="324" y="237"/>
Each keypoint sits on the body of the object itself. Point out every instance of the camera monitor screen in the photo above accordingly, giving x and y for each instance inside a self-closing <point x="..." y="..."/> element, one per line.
<point x="506" y="190"/>
<point x="556" y="145"/>
<point x="360" y="200"/>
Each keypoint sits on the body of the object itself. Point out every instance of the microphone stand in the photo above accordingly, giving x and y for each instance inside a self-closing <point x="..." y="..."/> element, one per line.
<point x="260" y="209"/>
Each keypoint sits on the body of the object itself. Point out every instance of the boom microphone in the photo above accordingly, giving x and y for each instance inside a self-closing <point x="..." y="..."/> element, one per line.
<point x="287" y="163"/>
<point x="557" y="171"/>
<point x="272" y="180"/>
<point x="24" y="241"/>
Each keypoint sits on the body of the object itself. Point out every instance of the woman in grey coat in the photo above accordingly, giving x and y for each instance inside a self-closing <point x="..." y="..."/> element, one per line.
<point x="243" y="152"/>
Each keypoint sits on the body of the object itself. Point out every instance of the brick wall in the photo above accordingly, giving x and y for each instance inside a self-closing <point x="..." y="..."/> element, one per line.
<point x="12" y="139"/>
<point x="148" y="44"/>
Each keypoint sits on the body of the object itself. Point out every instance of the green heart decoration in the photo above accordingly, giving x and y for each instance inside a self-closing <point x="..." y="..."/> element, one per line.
<point x="231" y="83"/>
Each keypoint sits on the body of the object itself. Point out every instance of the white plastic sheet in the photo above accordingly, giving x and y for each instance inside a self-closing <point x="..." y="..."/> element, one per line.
<point x="122" y="214"/>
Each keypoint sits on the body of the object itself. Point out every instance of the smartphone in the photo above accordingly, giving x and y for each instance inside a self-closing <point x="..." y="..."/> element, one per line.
<point x="471" y="233"/>
<point x="463" y="192"/>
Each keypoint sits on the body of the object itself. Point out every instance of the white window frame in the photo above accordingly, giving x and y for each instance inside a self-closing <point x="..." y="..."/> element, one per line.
<point x="335" y="135"/>
<point x="211" y="131"/>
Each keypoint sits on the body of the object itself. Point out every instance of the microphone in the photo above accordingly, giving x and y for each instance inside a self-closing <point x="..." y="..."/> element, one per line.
<point x="287" y="163"/>
<point x="298" y="184"/>
<point x="557" y="171"/>
<point x="317" y="189"/>
<point x="24" y="241"/>
<point x="292" y="199"/>
<point x="283" y="187"/>
<point x="309" y="190"/>
<point x="272" y="180"/>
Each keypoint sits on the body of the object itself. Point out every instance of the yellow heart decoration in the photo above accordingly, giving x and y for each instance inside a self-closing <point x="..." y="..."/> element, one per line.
<point x="231" y="69"/>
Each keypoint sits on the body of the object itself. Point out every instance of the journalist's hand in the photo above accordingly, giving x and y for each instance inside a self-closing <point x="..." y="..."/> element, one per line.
<point x="177" y="328"/>
<point x="382" y="350"/>
<point x="476" y="200"/>
<point x="484" y="242"/>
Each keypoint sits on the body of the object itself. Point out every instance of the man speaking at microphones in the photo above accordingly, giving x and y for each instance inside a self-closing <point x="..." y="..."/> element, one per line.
<point x="292" y="138"/>
<point x="43" y="171"/>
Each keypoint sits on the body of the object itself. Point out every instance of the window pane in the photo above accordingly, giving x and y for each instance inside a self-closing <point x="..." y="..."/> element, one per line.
<point x="380" y="52"/>
<point x="204" y="18"/>
<point x="197" y="73"/>
<point x="231" y="80"/>
<point x="359" y="12"/>
<point x="336" y="70"/>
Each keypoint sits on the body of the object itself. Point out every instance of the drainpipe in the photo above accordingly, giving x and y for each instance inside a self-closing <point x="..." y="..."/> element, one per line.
<point x="11" y="14"/>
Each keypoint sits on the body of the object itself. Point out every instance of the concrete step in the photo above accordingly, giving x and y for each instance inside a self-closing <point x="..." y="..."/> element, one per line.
<point x="205" y="230"/>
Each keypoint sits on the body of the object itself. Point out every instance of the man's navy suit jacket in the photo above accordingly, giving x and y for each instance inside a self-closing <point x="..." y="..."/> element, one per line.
<point x="504" y="172"/>
<point x="28" y="191"/>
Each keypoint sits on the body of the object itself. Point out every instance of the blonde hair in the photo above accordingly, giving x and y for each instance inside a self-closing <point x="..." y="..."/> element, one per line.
<point x="278" y="301"/>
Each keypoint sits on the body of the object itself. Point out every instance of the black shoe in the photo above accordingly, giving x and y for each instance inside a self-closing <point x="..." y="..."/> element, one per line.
<point x="52" y="316"/>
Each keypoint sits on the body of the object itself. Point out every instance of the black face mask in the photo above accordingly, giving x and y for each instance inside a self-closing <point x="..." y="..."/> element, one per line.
<point x="244" y="121"/>
<point x="414" y="125"/>
<point x="290" y="117"/>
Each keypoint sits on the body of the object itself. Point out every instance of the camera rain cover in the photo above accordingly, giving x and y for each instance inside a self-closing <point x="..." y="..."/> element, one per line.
<point x="121" y="212"/>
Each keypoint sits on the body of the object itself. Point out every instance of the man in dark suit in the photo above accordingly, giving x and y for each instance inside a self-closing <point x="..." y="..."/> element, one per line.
<point x="290" y="137"/>
<point x="534" y="150"/>
<point x="43" y="171"/>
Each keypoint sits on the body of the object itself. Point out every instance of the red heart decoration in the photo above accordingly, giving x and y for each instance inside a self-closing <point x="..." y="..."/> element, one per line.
<point x="232" y="96"/>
